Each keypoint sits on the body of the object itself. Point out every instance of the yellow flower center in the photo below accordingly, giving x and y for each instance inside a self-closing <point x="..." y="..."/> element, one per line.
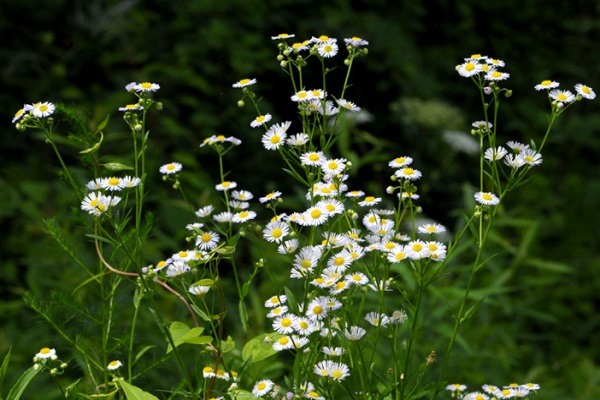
<point x="183" y="254"/>
<point x="586" y="90"/>
<point x="470" y="66"/>
<point x="243" y="214"/>
<point x="207" y="237"/>
<point x="496" y="74"/>
<point x="408" y="171"/>
<point x="207" y="369"/>
<point x="275" y="139"/>
<point x="487" y="197"/>
<point x="546" y="82"/>
<point x="45" y="350"/>
<point x="369" y="199"/>
<point x="284" y="340"/>
<point x="305" y="264"/>
<point x="317" y="310"/>
<point x="313" y="157"/>
<point x="146" y="85"/>
<point x="561" y="96"/>
<point x="113" y="363"/>
<point x="303" y="325"/>
<point x="171" y="167"/>
<point x="417" y="247"/>
<point x="260" y="118"/>
<point x="400" y="256"/>
<point x="244" y="81"/>
<point x="276" y="233"/>
<point x="43" y="108"/>
<point x="226" y="184"/>
<point x="315" y="213"/>
<point x="261" y="386"/>
<point x="475" y="55"/>
<point x="337" y="374"/>
<point x="323" y="38"/>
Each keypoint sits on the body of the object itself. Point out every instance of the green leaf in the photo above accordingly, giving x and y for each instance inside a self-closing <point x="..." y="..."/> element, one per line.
<point x="181" y="334"/>
<point x="17" y="390"/>
<point x="204" y="282"/>
<point x="95" y="147"/>
<point x="103" y="124"/>
<point x="134" y="392"/>
<point x="115" y="166"/>
<point x="471" y="311"/>
<point x="291" y="299"/>
<point x="227" y="345"/>
<point x="244" y="395"/>
<point x="141" y="353"/>
<point x="258" y="348"/>
<point x="4" y="366"/>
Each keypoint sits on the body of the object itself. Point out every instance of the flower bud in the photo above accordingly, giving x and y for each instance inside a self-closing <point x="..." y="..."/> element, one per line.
<point x="487" y="90"/>
<point x="283" y="64"/>
<point x="138" y="127"/>
<point x="241" y="103"/>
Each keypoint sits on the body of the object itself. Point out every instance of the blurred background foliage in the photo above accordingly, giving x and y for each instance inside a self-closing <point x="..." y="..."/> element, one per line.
<point x="540" y="319"/>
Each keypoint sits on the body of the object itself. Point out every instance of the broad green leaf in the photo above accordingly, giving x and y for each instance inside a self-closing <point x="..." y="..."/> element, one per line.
<point x="181" y="333"/>
<point x="227" y="345"/>
<point x="260" y="348"/>
<point x="244" y="395"/>
<point x="17" y="390"/>
<point x="134" y="392"/>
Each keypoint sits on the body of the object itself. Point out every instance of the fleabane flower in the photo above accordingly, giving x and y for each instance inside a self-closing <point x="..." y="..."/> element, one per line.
<point x="262" y="388"/>
<point x="207" y="241"/>
<point x="486" y="198"/>
<point x="42" y="110"/>
<point x="282" y="36"/>
<point x="494" y="75"/>
<point x="564" y="96"/>
<point x="225" y="186"/>
<point x="171" y="168"/>
<point x="198" y="290"/>
<point x="299" y="139"/>
<point x="269" y="196"/>
<point x="546" y="84"/>
<point x="313" y="158"/>
<point x="355" y="42"/>
<point x="348" y="105"/>
<point x="19" y="114"/>
<point x="585" y="91"/>
<point x="417" y="249"/>
<point x="146" y="87"/>
<point x="273" y="139"/>
<point x="114" y="365"/>
<point x="400" y="162"/>
<point x="131" y="107"/>
<point x="244" y="82"/>
<point x="46" y="352"/>
<point x="97" y="204"/>
<point x="456" y="387"/>
<point x="531" y="157"/>
<point x="260" y="120"/>
<point x="431" y="228"/>
<point x="243" y="216"/>
<point x="408" y="173"/>
<point x="328" y="48"/>
<point x="276" y="231"/>
<point x="496" y="154"/>
<point x="301" y="96"/>
<point x="468" y="69"/>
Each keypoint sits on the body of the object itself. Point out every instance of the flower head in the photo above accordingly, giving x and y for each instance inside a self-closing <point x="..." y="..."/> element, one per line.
<point x="42" y="110"/>
<point x="546" y="84"/>
<point x="171" y="168"/>
<point x="46" y="352"/>
<point x="328" y="48"/>
<point x="114" y="365"/>
<point x="563" y="96"/>
<point x="244" y="82"/>
<point x="585" y="91"/>
<point x="260" y="120"/>
<point x="146" y="87"/>
<point x="485" y="198"/>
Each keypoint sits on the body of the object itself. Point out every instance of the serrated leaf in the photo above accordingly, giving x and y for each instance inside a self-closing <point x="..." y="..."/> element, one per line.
<point x="134" y="392"/>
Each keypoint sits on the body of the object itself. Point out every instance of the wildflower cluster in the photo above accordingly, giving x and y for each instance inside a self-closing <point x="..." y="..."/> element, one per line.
<point x="357" y="264"/>
<point x="47" y="360"/>
<point x="491" y="392"/>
